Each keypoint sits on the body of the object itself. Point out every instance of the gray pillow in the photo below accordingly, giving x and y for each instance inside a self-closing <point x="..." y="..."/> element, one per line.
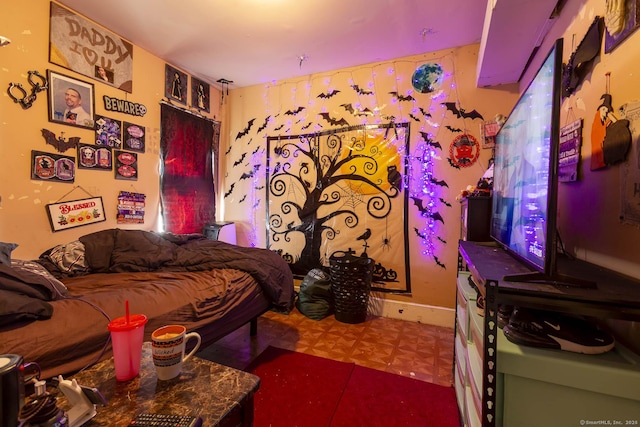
<point x="57" y="288"/>
<point x="5" y="252"/>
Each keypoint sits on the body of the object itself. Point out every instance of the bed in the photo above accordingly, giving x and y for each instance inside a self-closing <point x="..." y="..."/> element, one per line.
<point x="55" y="310"/>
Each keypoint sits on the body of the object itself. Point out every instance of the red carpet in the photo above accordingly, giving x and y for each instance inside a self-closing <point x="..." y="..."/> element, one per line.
<point x="298" y="389"/>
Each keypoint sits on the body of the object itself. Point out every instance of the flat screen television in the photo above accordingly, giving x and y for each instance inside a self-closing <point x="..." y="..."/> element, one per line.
<point x="525" y="175"/>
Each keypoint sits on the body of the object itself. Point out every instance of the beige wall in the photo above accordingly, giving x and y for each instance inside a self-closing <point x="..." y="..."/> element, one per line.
<point x="430" y="283"/>
<point x="23" y="218"/>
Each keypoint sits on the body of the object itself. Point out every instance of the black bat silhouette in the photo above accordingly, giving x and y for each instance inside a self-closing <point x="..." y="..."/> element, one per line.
<point x="260" y="187"/>
<point x="444" y="202"/>
<point x="436" y="216"/>
<point x="246" y="130"/>
<point x="264" y="125"/>
<point x="256" y="150"/>
<point x="417" y="119"/>
<point x="59" y="143"/>
<point x="429" y="141"/>
<point x="435" y="258"/>
<point x="348" y="107"/>
<point x="240" y="160"/>
<point x="452" y="129"/>
<point x="249" y="141"/>
<point x="228" y="193"/>
<point x="442" y="240"/>
<point x="242" y="199"/>
<point x="453" y="165"/>
<point x="461" y="113"/>
<point x="333" y="121"/>
<point x="228" y="151"/>
<point x="294" y="112"/>
<point x="402" y="97"/>
<point x="361" y="91"/>
<point x="306" y="126"/>
<point x="256" y="204"/>
<point x="440" y="183"/>
<point x="425" y="112"/>
<point x="328" y="94"/>
<point x="419" y="234"/>
<point x="279" y="127"/>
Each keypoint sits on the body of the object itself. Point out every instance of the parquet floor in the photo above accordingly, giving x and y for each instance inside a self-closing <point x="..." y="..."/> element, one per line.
<point x="415" y="350"/>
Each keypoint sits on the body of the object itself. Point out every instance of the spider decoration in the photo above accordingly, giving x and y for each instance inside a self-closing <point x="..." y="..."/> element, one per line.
<point x="386" y="243"/>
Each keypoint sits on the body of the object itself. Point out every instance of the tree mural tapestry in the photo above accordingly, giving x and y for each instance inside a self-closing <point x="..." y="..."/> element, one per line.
<point x="341" y="190"/>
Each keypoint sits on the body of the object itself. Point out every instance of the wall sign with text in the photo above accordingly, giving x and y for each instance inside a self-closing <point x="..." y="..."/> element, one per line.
<point x="75" y="213"/>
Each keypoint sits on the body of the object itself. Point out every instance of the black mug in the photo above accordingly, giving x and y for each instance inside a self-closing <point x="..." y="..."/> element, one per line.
<point x="12" y="382"/>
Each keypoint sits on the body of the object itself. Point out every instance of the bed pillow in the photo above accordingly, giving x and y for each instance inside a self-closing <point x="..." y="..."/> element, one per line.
<point x="15" y="307"/>
<point x="5" y="252"/>
<point x="31" y="279"/>
<point x="69" y="259"/>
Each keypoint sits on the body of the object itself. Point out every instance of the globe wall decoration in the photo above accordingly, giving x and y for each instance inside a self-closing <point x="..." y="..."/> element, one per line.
<point x="427" y="77"/>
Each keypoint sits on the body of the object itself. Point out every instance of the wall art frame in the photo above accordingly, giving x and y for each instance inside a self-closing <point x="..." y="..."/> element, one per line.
<point x="200" y="95"/>
<point x="80" y="45"/>
<point x="175" y="84"/>
<point x="631" y="24"/>
<point x="94" y="157"/>
<point x="52" y="167"/>
<point x="75" y="213"/>
<point x="71" y="101"/>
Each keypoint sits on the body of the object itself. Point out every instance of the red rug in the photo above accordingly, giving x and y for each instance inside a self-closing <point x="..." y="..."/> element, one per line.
<point x="298" y="389"/>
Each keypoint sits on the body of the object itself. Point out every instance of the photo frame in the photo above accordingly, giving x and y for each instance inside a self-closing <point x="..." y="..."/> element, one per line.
<point x="80" y="45"/>
<point x="200" y="95"/>
<point x="175" y="84"/>
<point x="94" y="157"/>
<point x="125" y="165"/>
<point x="632" y="22"/>
<point x="108" y="132"/>
<point x="133" y="137"/>
<point x="71" y="101"/>
<point x="52" y="167"/>
<point x="75" y="213"/>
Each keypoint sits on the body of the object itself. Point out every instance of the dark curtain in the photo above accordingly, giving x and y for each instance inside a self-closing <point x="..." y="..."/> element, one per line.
<point x="187" y="193"/>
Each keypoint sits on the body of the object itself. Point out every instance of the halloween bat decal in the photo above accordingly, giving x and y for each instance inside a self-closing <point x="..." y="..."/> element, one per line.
<point x="452" y="129"/>
<point x="264" y="125"/>
<point x="305" y="127"/>
<point x="231" y="187"/>
<point x="361" y="91"/>
<point x="425" y="211"/>
<point x="402" y="97"/>
<point x="425" y="112"/>
<point x="240" y="160"/>
<point x="440" y="182"/>
<point x="417" y="119"/>
<point x="334" y="122"/>
<point x="328" y="94"/>
<point x="59" y="143"/>
<point x="242" y="199"/>
<point x="461" y="113"/>
<point x="294" y="112"/>
<point x="435" y="258"/>
<point x="429" y="141"/>
<point x="246" y="130"/>
<point x="452" y="164"/>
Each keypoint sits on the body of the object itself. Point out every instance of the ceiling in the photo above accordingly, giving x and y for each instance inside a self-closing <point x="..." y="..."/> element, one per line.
<point x="258" y="41"/>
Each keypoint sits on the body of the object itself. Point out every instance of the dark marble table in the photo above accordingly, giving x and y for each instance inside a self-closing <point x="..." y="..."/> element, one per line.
<point x="220" y="395"/>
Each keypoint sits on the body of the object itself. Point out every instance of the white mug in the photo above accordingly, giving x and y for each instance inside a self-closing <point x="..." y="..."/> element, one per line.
<point x="167" y="348"/>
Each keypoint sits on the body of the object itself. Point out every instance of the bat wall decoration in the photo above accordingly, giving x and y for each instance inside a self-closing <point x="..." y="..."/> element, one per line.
<point x="334" y="122"/>
<point x="425" y="211"/>
<point x="452" y="164"/>
<point x="59" y="143"/>
<point x="430" y="142"/>
<point x="425" y="112"/>
<point x="361" y="91"/>
<point x="305" y="127"/>
<point x="452" y="129"/>
<point x="231" y="187"/>
<point x="242" y="199"/>
<point x="419" y="234"/>
<point x="439" y="182"/>
<point x="402" y="97"/>
<point x="435" y="258"/>
<point x="264" y="125"/>
<point x="444" y="202"/>
<point x="279" y="127"/>
<point x="417" y="119"/>
<point x="240" y="160"/>
<point x="461" y="113"/>
<point x="328" y="94"/>
<point x="294" y="112"/>
<point x="246" y="130"/>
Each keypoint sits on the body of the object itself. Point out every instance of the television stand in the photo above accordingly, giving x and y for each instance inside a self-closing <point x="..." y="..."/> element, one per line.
<point x="556" y="279"/>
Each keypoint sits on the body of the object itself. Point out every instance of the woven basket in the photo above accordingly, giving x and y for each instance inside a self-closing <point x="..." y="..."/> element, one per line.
<point x="350" y="285"/>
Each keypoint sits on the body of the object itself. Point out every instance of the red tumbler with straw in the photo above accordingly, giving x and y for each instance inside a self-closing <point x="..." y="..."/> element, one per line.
<point x="127" y="335"/>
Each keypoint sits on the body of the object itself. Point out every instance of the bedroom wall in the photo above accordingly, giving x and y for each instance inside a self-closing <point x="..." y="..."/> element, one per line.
<point x="243" y="146"/>
<point x="23" y="218"/>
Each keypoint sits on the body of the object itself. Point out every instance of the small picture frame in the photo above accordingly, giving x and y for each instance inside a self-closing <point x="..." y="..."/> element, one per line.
<point x="52" y="167"/>
<point x="75" y="213"/>
<point x="94" y="157"/>
<point x="125" y="165"/>
<point x="175" y="85"/>
<point x="133" y="137"/>
<point x="200" y="97"/>
<point x="71" y="101"/>
<point x="108" y="132"/>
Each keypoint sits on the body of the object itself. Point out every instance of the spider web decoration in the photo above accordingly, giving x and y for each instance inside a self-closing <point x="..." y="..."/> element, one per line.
<point x="334" y="191"/>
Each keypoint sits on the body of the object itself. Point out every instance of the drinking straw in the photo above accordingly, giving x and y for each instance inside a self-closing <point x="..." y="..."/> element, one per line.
<point x="126" y="310"/>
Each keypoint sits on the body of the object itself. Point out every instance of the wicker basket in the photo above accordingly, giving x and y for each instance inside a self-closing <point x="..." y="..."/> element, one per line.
<point x="350" y="284"/>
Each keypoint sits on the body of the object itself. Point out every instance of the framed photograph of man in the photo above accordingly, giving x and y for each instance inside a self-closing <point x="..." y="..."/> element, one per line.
<point x="200" y="94"/>
<point x="71" y="101"/>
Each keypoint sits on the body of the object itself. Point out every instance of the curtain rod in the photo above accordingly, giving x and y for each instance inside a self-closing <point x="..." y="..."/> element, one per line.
<point x="186" y="110"/>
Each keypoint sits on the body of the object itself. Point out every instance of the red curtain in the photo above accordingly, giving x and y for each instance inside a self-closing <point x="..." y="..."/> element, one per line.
<point x="187" y="193"/>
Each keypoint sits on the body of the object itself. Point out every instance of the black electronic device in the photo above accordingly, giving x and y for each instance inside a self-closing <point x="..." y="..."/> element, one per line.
<point x="165" y="420"/>
<point x="525" y="176"/>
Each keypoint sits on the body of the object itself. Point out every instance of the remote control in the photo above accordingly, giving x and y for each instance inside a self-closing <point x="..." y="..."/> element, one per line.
<point x="165" y="420"/>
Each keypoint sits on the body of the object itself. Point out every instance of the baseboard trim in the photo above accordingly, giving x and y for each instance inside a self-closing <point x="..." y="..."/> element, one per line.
<point x="427" y="314"/>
